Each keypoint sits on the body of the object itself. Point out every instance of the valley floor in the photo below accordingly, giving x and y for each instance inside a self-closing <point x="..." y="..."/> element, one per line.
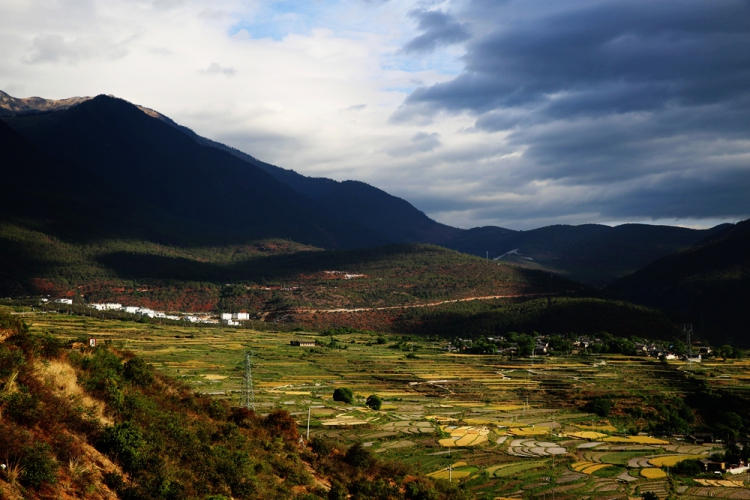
<point x="505" y="428"/>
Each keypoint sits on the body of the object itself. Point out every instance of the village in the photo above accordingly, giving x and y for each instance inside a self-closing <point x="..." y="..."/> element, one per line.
<point x="515" y="344"/>
<point x="228" y="319"/>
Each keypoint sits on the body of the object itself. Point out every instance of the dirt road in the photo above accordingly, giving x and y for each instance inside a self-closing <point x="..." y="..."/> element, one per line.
<point x="411" y="306"/>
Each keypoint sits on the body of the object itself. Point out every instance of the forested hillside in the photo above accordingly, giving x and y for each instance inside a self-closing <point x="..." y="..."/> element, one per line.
<point x="709" y="284"/>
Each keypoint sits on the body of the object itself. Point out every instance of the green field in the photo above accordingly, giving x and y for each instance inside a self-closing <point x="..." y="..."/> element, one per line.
<point x="504" y="425"/>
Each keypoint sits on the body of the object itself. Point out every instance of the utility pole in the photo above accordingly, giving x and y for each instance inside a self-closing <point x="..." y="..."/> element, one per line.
<point x="687" y="330"/>
<point x="308" y="419"/>
<point x="248" y="393"/>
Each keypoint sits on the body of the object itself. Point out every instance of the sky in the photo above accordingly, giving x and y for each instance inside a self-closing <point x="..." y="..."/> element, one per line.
<point x="519" y="114"/>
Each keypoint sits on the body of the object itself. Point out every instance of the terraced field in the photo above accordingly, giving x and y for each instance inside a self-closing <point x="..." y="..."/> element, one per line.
<point x="504" y="428"/>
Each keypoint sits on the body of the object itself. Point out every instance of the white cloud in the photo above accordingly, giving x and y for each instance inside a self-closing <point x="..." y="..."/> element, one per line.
<point x="216" y="69"/>
<point x="312" y="88"/>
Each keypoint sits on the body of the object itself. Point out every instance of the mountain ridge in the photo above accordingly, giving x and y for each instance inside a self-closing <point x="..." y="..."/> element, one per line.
<point x="591" y="253"/>
<point x="708" y="284"/>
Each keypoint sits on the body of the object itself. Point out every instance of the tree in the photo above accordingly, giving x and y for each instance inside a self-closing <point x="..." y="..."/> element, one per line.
<point x="357" y="456"/>
<point x="601" y="406"/>
<point x="649" y="495"/>
<point x="679" y="347"/>
<point x="374" y="402"/>
<point x="138" y="372"/>
<point x="344" y="395"/>
<point x="525" y="345"/>
<point x="690" y="467"/>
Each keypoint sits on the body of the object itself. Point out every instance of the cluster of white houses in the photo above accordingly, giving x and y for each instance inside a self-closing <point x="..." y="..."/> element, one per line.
<point x="231" y="319"/>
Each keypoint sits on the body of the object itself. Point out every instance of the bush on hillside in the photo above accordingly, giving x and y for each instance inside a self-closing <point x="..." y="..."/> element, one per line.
<point x="601" y="405"/>
<point x="374" y="402"/>
<point x="344" y="395"/>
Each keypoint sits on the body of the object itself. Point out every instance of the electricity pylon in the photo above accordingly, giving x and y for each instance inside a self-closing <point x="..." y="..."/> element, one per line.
<point x="248" y="394"/>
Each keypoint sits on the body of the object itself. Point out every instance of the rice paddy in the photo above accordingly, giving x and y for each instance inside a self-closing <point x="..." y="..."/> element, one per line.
<point x="508" y="429"/>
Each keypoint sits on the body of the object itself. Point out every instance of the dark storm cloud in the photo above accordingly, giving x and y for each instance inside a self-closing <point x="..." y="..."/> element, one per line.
<point x="439" y="28"/>
<point x="647" y="104"/>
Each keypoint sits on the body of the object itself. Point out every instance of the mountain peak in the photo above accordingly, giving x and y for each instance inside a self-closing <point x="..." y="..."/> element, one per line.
<point x="15" y="106"/>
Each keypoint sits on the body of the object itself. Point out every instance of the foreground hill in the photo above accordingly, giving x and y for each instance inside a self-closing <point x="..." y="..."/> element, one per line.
<point x="92" y="423"/>
<point x="709" y="284"/>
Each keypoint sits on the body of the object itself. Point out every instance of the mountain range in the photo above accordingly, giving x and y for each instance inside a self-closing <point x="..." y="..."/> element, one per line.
<point x="149" y="176"/>
<point x="89" y="170"/>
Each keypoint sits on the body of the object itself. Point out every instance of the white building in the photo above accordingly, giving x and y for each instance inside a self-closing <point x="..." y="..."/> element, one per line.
<point x="241" y="316"/>
<point x="131" y="309"/>
<point x="145" y="312"/>
<point x="110" y="306"/>
<point x="226" y="316"/>
<point x="64" y="301"/>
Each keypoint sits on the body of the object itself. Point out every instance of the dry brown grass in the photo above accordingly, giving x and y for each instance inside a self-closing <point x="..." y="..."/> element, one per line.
<point x="10" y="384"/>
<point x="62" y="378"/>
<point x="12" y="471"/>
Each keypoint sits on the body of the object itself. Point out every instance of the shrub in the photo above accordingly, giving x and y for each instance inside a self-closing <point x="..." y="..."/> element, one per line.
<point x="280" y="423"/>
<point x="320" y="446"/>
<point x="124" y="441"/>
<point x="22" y="407"/>
<point x="420" y="490"/>
<point x="10" y="360"/>
<point x="600" y="405"/>
<point x="374" y="402"/>
<point x="38" y="465"/>
<point x="337" y="492"/>
<point x="343" y="394"/>
<point x="51" y="346"/>
<point x="113" y="481"/>
<point x="243" y="417"/>
<point x="690" y="467"/>
<point x="217" y="409"/>
<point x="138" y="372"/>
<point x="357" y="456"/>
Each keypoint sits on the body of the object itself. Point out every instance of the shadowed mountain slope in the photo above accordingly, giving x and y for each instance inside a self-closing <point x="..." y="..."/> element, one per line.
<point x="354" y="201"/>
<point x="160" y="166"/>
<point x="709" y="284"/>
<point x="591" y="253"/>
<point x="216" y="194"/>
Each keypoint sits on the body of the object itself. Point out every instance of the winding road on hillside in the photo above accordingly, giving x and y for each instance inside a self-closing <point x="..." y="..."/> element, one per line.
<point x="411" y="306"/>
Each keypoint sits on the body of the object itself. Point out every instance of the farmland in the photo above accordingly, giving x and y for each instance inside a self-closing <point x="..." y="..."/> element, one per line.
<point x="504" y="428"/>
